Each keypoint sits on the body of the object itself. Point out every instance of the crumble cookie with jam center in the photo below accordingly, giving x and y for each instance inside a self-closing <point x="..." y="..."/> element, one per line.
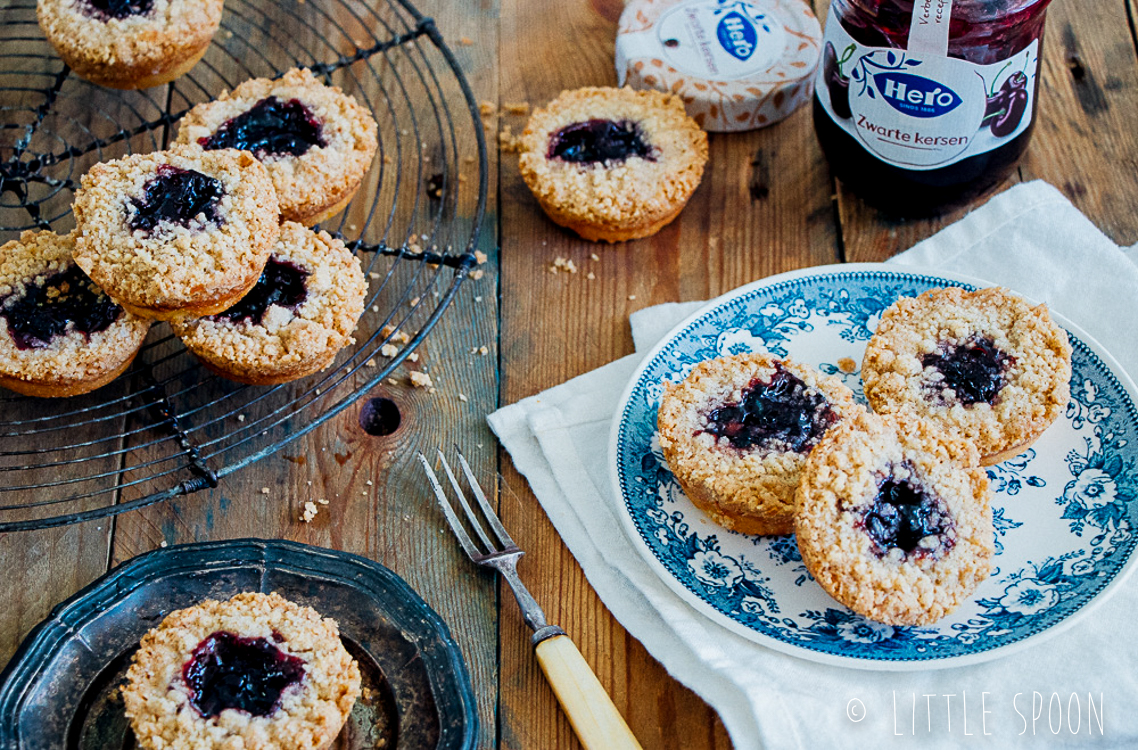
<point x="129" y="44"/>
<point x="257" y="672"/>
<point x="299" y="315"/>
<point x="895" y="519"/>
<point x="984" y="365"/>
<point x="316" y="141"/>
<point x="613" y="164"/>
<point x="178" y="232"/>
<point x="736" y="433"/>
<point x="60" y="335"/>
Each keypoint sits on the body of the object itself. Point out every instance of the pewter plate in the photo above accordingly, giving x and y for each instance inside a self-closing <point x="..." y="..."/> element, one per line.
<point x="61" y="688"/>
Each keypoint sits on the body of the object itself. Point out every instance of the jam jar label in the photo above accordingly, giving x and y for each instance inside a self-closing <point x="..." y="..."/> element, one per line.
<point x="921" y="109"/>
<point x="735" y="39"/>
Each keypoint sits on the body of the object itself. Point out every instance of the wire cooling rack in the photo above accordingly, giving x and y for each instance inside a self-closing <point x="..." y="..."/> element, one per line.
<point x="168" y="427"/>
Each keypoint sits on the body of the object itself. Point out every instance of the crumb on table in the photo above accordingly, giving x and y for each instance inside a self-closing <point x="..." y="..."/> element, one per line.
<point x="563" y="264"/>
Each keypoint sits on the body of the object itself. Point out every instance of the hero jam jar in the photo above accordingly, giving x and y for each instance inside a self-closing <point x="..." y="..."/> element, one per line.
<point x="922" y="105"/>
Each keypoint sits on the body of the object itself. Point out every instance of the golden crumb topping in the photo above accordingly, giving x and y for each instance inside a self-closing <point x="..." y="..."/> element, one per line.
<point x="639" y="190"/>
<point x="310" y="714"/>
<point x="73" y="358"/>
<point x="288" y="343"/>
<point x="841" y="483"/>
<point x="322" y="175"/>
<point x="173" y="266"/>
<point x="901" y="374"/>
<point x="748" y="490"/>
<point x="114" y="50"/>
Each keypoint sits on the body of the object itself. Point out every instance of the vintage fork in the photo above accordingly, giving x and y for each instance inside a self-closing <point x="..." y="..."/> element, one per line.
<point x="595" y="719"/>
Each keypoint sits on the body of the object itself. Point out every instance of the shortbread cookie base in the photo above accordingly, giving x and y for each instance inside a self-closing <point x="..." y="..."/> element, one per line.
<point x="287" y="344"/>
<point x="310" y="715"/>
<point x="1037" y="386"/>
<point x="840" y="481"/>
<point x="748" y="490"/>
<point x="624" y="200"/>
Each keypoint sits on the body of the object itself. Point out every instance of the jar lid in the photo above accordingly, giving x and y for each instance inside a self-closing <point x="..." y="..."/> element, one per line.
<point x="737" y="64"/>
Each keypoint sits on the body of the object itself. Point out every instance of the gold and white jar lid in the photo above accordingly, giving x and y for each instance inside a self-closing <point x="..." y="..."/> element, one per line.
<point x="737" y="64"/>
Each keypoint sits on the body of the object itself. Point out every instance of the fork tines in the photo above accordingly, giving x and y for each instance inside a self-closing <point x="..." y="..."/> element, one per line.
<point x="504" y="543"/>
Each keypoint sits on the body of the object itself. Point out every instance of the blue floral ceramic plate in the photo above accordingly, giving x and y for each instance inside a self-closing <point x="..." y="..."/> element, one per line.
<point x="1064" y="511"/>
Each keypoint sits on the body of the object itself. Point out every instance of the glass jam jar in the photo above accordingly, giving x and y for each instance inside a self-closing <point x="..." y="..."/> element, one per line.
<point x="922" y="105"/>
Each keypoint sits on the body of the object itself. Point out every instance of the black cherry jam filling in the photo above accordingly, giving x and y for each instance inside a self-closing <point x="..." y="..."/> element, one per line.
<point x="104" y="10"/>
<point x="905" y="514"/>
<point x="281" y="283"/>
<point x="66" y="301"/>
<point x="271" y="127"/>
<point x="782" y="412"/>
<point x="176" y="196"/>
<point x="594" y="141"/>
<point x="231" y="671"/>
<point x="975" y="369"/>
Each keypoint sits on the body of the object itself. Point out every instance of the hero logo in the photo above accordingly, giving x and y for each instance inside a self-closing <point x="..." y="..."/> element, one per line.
<point x="737" y="35"/>
<point x="916" y="96"/>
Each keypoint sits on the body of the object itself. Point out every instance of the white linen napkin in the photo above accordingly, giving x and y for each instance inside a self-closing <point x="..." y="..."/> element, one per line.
<point x="1030" y="239"/>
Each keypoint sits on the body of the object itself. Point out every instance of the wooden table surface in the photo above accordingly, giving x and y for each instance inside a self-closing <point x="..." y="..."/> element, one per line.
<point x="767" y="204"/>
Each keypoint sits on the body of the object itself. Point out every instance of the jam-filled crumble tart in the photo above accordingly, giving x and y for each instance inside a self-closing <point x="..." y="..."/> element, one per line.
<point x="736" y="433"/>
<point x="316" y="141"/>
<point x="300" y="313"/>
<point x="130" y="44"/>
<point x="60" y="335"/>
<point x="984" y="365"/>
<point x="613" y="164"/>
<point x="256" y="672"/>
<point x="894" y="518"/>
<point x="178" y="232"/>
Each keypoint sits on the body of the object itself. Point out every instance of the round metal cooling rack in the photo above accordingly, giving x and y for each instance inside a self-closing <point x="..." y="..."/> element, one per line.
<point x="168" y="427"/>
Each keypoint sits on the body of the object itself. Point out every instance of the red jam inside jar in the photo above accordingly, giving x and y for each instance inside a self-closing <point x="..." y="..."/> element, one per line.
<point x="982" y="32"/>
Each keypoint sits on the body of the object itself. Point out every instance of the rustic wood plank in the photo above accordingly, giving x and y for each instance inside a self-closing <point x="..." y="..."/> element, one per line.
<point x="764" y="207"/>
<point x="45" y="567"/>
<point x="1085" y="143"/>
<point x="68" y="444"/>
<point x="377" y="499"/>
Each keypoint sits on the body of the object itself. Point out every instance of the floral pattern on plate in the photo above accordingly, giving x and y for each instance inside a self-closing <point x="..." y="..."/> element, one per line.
<point x="1064" y="511"/>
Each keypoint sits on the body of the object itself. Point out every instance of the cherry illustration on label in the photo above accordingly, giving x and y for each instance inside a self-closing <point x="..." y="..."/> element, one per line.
<point x="1005" y="108"/>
